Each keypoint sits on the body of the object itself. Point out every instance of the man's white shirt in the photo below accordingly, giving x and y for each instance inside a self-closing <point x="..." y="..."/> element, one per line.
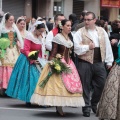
<point x="80" y="49"/>
<point x="49" y="39"/>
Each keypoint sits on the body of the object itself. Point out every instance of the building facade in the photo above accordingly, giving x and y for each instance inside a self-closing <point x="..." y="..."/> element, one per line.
<point x="49" y="8"/>
<point x="14" y="7"/>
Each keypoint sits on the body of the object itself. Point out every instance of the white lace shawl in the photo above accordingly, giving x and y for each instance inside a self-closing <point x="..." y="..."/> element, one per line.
<point x="60" y="39"/>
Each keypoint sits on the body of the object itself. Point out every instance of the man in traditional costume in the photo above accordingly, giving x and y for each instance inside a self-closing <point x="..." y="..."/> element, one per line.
<point x="92" y="45"/>
<point x="52" y="33"/>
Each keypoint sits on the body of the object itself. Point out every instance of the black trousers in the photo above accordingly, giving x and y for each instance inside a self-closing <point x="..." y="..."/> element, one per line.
<point x="93" y="78"/>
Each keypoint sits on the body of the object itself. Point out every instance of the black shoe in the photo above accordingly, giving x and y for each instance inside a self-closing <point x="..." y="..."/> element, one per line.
<point x="59" y="114"/>
<point x="94" y="109"/>
<point x="28" y="104"/>
<point x="86" y="114"/>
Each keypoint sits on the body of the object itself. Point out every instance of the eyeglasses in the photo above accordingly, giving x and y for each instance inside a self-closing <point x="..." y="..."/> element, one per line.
<point x="88" y="20"/>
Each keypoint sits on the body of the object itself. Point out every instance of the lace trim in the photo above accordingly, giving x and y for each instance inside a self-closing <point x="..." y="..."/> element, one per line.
<point x="59" y="39"/>
<point x="57" y="100"/>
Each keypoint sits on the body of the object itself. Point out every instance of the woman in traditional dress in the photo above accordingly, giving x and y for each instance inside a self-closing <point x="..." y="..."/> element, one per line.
<point x="25" y="73"/>
<point x="63" y="89"/>
<point x="31" y="23"/>
<point x="9" y="30"/>
<point x="109" y="105"/>
<point x="21" y="24"/>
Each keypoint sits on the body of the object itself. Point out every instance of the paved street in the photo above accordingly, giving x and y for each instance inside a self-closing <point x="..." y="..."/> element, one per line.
<point x="12" y="109"/>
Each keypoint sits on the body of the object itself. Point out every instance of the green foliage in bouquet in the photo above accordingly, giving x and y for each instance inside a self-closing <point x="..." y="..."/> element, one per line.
<point x="4" y="43"/>
<point x="57" y="67"/>
<point x="33" y="55"/>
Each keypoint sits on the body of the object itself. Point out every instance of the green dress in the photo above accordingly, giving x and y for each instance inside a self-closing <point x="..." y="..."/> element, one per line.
<point x="10" y="57"/>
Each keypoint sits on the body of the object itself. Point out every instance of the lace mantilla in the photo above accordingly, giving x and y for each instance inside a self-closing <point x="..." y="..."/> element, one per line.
<point x="59" y="39"/>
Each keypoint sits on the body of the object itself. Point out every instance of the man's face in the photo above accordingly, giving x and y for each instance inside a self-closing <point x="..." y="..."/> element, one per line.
<point x="60" y="18"/>
<point x="89" y="21"/>
<point x="118" y="24"/>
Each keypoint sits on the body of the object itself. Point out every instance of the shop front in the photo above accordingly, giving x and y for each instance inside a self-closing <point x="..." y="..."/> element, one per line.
<point x="110" y="9"/>
<point x="14" y="7"/>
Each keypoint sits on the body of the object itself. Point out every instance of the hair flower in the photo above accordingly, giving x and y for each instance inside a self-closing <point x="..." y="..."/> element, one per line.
<point x="60" y="24"/>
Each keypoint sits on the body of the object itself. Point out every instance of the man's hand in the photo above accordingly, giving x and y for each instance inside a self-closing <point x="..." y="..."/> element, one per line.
<point x="91" y="45"/>
<point x="113" y="41"/>
<point x="109" y="67"/>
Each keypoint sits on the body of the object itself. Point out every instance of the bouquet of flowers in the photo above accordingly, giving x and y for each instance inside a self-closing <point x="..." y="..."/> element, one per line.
<point x="33" y="55"/>
<point x="57" y="67"/>
<point x="4" y="43"/>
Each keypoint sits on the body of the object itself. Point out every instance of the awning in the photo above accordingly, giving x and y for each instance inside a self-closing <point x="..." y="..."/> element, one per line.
<point x="110" y="3"/>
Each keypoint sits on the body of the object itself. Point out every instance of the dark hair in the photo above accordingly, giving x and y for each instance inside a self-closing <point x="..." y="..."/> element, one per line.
<point x="49" y="19"/>
<point x="7" y="16"/>
<point x="56" y="16"/>
<point x="100" y="23"/>
<point x="40" y="26"/>
<point x="90" y="13"/>
<point x="63" y="22"/>
<point x="21" y="19"/>
<point x="41" y="19"/>
<point x="114" y="26"/>
<point x="83" y="13"/>
<point x="73" y="17"/>
<point x="44" y="18"/>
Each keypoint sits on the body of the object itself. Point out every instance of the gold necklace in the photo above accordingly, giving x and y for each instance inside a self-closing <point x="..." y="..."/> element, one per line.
<point x="67" y="38"/>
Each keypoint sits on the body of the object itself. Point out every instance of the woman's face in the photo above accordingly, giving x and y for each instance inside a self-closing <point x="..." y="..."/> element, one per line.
<point x="21" y="25"/>
<point x="10" y="21"/>
<point x="40" y="31"/>
<point x="33" y="20"/>
<point x="67" y="27"/>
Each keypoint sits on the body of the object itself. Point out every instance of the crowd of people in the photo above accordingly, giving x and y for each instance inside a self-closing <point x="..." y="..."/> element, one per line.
<point x="88" y="47"/>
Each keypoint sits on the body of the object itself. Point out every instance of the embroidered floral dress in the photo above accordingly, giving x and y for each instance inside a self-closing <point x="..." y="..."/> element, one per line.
<point x="10" y="57"/>
<point x="60" y="90"/>
<point x="109" y="105"/>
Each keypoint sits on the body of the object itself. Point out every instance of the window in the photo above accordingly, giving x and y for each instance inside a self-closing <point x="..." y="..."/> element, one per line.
<point x="58" y="7"/>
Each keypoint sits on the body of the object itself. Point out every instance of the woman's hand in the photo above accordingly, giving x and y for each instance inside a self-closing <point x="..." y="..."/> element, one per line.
<point x="18" y="44"/>
<point x="36" y="62"/>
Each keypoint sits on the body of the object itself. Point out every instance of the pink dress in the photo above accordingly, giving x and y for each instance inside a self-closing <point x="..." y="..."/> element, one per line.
<point x="72" y="81"/>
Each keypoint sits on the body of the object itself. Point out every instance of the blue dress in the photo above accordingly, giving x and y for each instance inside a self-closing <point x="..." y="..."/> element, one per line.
<point x="23" y="79"/>
<point x="25" y="74"/>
